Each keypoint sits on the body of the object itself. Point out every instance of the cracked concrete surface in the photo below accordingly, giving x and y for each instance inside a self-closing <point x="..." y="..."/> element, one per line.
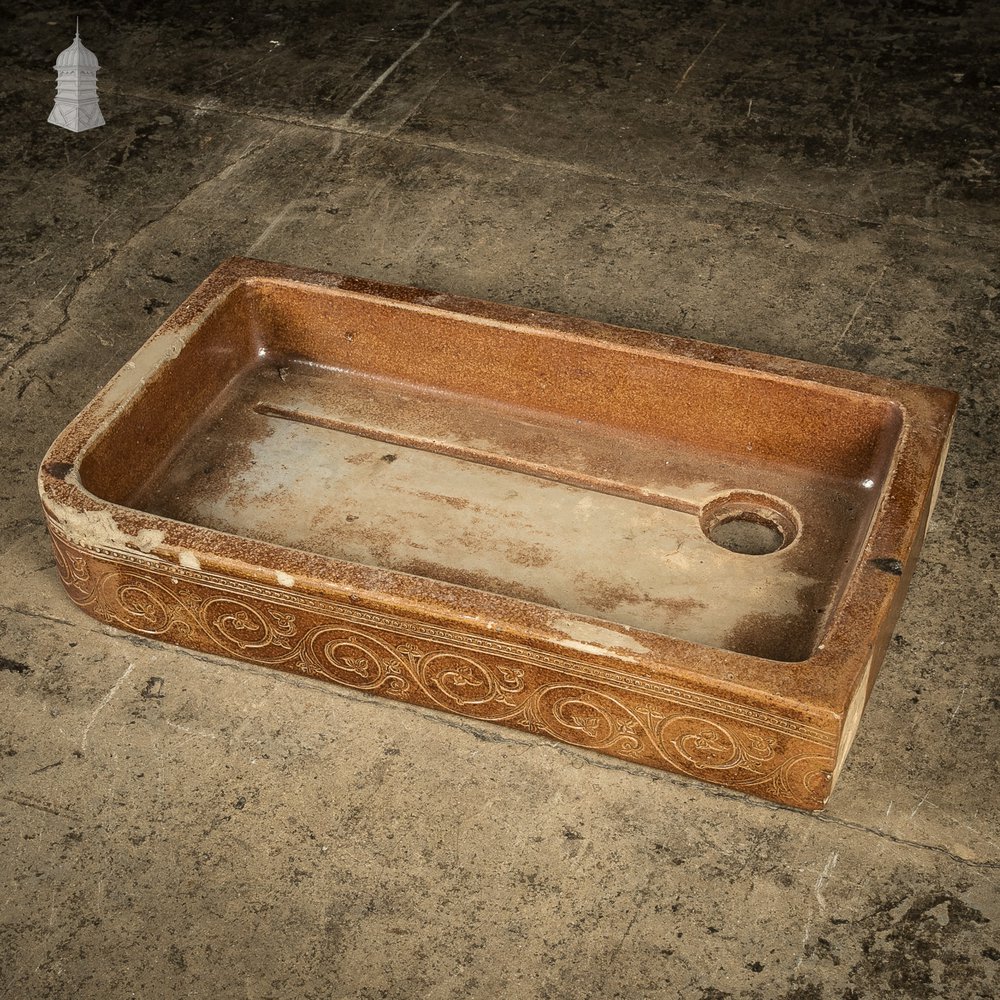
<point x="813" y="180"/>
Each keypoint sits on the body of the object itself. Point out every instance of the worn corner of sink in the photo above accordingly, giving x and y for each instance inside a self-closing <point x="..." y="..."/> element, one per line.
<point x="99" y="529"/>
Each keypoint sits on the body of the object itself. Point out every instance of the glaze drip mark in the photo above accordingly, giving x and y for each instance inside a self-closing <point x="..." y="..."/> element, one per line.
<point x="886" y="565"/>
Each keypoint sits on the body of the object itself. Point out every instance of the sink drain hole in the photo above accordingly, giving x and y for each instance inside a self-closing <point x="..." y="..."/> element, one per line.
<point x="749" y="523"/>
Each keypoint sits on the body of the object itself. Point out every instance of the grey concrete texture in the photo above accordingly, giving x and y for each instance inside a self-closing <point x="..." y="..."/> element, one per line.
<point x="816" y="180"/>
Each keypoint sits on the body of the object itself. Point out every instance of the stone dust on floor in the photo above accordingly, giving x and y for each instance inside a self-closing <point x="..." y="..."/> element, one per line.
<point x="805" y="179"/>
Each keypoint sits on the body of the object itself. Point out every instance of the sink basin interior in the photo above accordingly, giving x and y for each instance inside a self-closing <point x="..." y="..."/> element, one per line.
<point x="599" y="478"/>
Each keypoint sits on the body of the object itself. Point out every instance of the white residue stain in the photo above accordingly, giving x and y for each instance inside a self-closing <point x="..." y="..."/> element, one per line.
<point x="591" y="638"/>
<point x="99" y="528"/>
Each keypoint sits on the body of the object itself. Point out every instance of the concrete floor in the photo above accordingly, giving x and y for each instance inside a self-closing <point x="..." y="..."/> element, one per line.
<point x="809" y="179"/>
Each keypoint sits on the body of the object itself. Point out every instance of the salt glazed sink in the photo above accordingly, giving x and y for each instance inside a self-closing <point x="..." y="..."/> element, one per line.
<point x="676" y="553"/>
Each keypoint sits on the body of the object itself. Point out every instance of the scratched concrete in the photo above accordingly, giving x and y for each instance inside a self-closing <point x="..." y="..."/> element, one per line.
<point x="816" y="180"/>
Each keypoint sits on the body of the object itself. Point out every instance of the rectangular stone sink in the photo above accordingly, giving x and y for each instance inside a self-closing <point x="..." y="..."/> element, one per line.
<point x="675" y="553"/>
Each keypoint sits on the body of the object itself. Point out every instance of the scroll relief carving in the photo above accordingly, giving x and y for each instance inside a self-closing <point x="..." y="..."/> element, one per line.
<point x="648" y="729"/>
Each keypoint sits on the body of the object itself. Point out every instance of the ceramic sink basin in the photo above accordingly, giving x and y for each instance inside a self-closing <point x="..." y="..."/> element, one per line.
<point x="676" y="553"/>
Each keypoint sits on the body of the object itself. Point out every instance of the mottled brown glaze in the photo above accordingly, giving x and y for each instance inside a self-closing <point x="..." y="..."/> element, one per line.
<point x="506" y="514"/>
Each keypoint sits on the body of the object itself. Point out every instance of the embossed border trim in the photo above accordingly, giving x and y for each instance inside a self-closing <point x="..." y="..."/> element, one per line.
<point x="441" y="668"/>
<point x="412" y="628"/>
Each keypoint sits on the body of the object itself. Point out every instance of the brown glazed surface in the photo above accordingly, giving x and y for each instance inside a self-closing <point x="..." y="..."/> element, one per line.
<point x="672" y="552"/>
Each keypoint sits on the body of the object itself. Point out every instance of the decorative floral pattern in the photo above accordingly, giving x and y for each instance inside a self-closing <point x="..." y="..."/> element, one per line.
<point x="575" y="702"/>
